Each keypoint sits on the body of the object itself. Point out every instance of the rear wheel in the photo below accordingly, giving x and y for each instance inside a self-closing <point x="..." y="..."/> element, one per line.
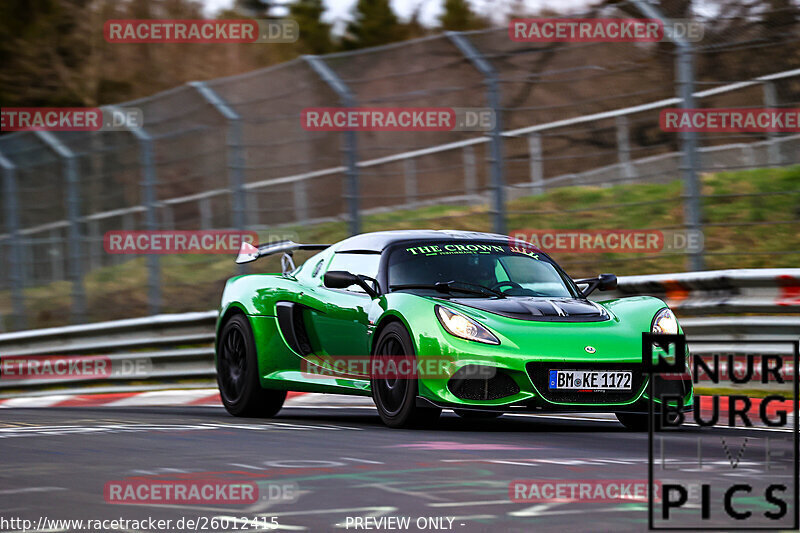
<point x="640" y="421"/>
<point x="396" y="396"/>
<point x="237" y="373"/>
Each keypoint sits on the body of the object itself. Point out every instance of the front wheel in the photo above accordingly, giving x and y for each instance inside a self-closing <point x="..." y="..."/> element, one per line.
<point x="237" y="373"/>
<point x="396" y="396"/>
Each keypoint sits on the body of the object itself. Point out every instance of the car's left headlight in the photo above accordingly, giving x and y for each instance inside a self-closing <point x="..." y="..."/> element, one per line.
<point x="665" y="322"/>
<point x="464" y="327"/>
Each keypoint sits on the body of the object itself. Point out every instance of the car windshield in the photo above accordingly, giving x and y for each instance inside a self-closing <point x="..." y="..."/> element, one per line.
<point x="511" y="270"/>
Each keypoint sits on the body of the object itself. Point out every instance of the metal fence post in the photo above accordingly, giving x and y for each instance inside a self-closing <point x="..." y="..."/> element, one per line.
<point x="350" y="144"/>
<point x="27" y="259"/>
<point x="410" y="181"/>
<point x="206" y="216"/>
<point x="95" y="244"/>
<point x="749" y="156"/>
<point x="773" y="148"/>
<point x="149" y="181"/>
<point x="235" y="155"/>
<point x="624" y="148"/>
<point x="74" y="237"/>
<point x="470" y="174"/>
<point x="253" y="209"/>
<point x="536" y="163"/>
<point x="15" y="272"/>
<point x="235" y="150"/>
<point x="690" y="164"/>
<point x="300" y="195"/>
<point x="498" y="209"/>
<point x="54" y="245"/>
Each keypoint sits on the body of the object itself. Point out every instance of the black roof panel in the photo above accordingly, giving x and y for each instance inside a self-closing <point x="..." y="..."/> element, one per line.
<point x="377" y="241"/>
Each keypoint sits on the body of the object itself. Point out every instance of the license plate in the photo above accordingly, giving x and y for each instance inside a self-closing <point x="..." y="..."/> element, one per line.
<point x="590" y="380"/>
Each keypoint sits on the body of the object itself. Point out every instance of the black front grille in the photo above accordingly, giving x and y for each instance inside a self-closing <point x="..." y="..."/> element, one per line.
<point x="499" y="385"/>
<point x="540" y="373"/>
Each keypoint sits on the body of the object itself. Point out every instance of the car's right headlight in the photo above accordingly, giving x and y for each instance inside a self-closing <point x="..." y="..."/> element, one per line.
<point x="464" y="327"/>
<point x="665" y="322"/>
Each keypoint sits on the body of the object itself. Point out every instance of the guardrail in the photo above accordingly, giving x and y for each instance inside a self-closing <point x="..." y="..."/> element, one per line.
<point x="176" y="351"/>
<point x="151" y="353"/>
<point x="757" y="291"/>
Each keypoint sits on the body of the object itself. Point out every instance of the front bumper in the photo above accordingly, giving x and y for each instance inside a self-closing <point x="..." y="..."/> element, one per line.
<point x="640" y="407"/>
<point x="523" y="387"/>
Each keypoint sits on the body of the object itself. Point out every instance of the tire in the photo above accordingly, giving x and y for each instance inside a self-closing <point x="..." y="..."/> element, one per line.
<point x="639" y="421"/>
<point x="396" y="399"/>
<point x="477" y="415"/>
<point x="237" y="373"/>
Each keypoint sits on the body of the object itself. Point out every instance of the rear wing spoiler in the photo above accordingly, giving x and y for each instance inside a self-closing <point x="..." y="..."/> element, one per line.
<point x="249" y="252"/>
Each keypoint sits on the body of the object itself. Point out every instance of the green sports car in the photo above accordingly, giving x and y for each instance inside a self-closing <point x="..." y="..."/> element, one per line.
<point x="429" y="320"/>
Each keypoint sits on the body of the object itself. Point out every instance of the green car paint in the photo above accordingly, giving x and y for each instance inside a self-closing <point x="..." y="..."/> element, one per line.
<point x="341" y="322"/>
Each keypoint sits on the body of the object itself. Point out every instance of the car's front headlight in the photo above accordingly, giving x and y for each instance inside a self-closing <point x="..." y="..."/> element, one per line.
<point x="665" y="322"/>
<point x="464" y="327"/>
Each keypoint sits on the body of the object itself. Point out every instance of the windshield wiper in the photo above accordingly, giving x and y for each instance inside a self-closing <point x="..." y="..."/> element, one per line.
<point x="453" y="286"/>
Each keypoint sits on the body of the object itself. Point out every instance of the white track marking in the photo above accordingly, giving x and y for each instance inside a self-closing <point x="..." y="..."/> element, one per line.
<point x="30" y="489"/>
<point x="457" y="519"/>
<point x="544" y="510"/>
<point x="395" y="490"/>
<point x="464" y="504"/>
<point x="127" y="428"/>
<point x="535" y="510"/>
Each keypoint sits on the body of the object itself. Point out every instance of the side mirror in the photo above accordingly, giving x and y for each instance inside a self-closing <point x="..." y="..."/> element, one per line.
<point x="603" y="282"/>
<point x="608" y="282"/>
<point x="340" y="279"/>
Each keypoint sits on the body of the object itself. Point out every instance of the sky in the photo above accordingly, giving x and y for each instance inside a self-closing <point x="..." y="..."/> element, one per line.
<point x="339" y="10"/>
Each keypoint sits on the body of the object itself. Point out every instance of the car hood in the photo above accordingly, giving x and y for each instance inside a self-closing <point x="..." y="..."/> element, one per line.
<point x="539" y="309"/>
<point x="617" y="339"/>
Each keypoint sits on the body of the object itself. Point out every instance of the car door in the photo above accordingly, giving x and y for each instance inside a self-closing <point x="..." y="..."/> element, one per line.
<point x="341" y="323"/>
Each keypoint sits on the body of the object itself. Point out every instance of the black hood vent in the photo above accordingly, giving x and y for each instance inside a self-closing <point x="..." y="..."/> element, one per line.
<point x="539" y="309"/>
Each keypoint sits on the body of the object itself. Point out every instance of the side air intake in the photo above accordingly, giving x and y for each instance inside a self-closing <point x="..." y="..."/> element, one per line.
<point x="475" y="382"/>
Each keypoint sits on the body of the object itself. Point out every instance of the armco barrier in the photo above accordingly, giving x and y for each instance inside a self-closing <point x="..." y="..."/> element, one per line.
<point x="178" y="348"/>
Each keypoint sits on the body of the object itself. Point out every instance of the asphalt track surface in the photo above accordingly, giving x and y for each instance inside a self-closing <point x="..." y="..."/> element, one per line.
<point x="324" y="467"/>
